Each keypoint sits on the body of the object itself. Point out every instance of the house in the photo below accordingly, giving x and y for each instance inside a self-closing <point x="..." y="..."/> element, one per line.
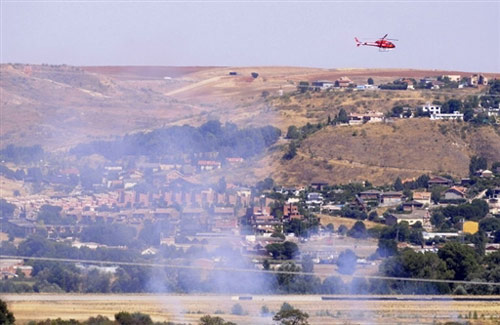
<point x="391" y="198"/>
<point x="491" y="248"/>
<point x="369" y="117"/>
<point x="358" y="203"/>
<point x="448" y="116"/>
<point x="486" y="174"/>
<point x="322" y="84"/>
<point x="413" y="218"/>
<point x="21" y="227"/>
<point x="496" y="193"/>
<point x="343" y="82"/>
<point x="431" y="109"/>
<point x="150" y="251"/>
<point x="411" y="205"/>
<point x="432" y="235"/>
<point x="235" y="160"/>
<point x="314" y="198"/>
<point x="208" y="165"/>
<point x="452" y="77"/>
<point x="428" y="80"/>
<point x="455" y="193"/>
<point x="370" y="195"/>
<point x="291" y="211"/>
<point x="422" y="197"/>
<point x="329" y="208"/>
<point x="476" y="80"/>
<point x="9" y="267"/>
<point x="319" y="185"/>
<point x="439" y="181"/>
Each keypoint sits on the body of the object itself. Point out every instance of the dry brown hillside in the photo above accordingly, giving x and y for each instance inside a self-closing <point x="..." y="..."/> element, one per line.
<point x="382" y="152"/>
<point x="61" y="106"/>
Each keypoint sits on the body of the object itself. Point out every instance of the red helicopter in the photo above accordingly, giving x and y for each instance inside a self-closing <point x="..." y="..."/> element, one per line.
<point x="382" y="43"/>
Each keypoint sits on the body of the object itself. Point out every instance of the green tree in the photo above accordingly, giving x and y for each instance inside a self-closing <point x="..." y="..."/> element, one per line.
<point x="346" y="262"/>
<point x="291" y="317"/>
<point x="125" y="318"/>
<point x="477" y="163"/>
<point x="290" y="250"/>
<point x="291" y="152"/>
<point x="397" y="111"/>
<point x="358" y="230"/>
<point x="237" y="310"/>
<point x="6" y="317"/>
<point x="398" y="184"/>
<point x="436" y="194"/>
<point x="387" y="247"/>
<point x="342" y="117"/>
<point x="342" y="229"/>
<point x="459" y="258"/>
<point x="209" y="320"/>
<point x="370" y="81"/>
<point x="307" y="264"/>
<point x="293" y="132"/>
<point x="468" y="114"/>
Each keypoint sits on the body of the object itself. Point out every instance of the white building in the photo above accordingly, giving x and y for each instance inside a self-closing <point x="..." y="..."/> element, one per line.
<point x="448" y="116"/>
<point x="452" y="77"/>
<point x="432" y="109"/>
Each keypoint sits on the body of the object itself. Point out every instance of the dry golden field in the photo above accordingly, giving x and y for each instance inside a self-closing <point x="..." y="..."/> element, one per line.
<point x="188" y="309"/>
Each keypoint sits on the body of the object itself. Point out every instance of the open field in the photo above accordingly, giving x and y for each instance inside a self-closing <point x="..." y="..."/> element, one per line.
<point x="189" y="308"/>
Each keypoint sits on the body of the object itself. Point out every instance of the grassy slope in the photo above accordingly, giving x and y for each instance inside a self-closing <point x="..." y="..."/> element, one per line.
<point x="382" y="152"/>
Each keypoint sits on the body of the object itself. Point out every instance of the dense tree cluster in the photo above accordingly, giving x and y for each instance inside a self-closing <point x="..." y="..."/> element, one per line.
<point x="227" y="140"/>
<point x="17" y="155"/>
<point x="451" y="216"/>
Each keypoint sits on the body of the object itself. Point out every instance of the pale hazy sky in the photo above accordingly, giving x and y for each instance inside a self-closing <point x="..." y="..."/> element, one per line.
<point x="448" y="35"/>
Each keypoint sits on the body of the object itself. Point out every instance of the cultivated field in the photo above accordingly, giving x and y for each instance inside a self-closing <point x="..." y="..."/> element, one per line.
<point x="188" y="309"/>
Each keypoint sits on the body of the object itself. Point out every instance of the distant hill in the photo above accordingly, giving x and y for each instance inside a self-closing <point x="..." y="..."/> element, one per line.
<point x="61" y="106"/>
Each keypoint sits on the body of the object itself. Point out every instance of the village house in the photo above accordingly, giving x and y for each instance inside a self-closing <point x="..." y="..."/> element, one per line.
<point x="314" y="198"/>
<point x="422" y="197"/>
<point x="205" y="165"/>
<point x="234" y="161"/>
<point x="291" y="211"/>
<point x="10" y="267"/>
<point x="319" y="185"/>
<point x="439" y="181"/>
<point x="343" y="82"/>
<point x="322" y="84"/>
<point x="369" y="117"/>
<point x="455" y="193"/>
<point x="452" y="77"/>
<point x="421" y="216"/>
<point x="486" y="174"/>
<point x="391" y="198"/>
<point x="413" y="218"/>
<point x="448" y="116"/>
<point x="477" y="80"/>
<point x="431" y="109"/>
<point x="370" y="195"/>
<point x="412" y="205"/>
